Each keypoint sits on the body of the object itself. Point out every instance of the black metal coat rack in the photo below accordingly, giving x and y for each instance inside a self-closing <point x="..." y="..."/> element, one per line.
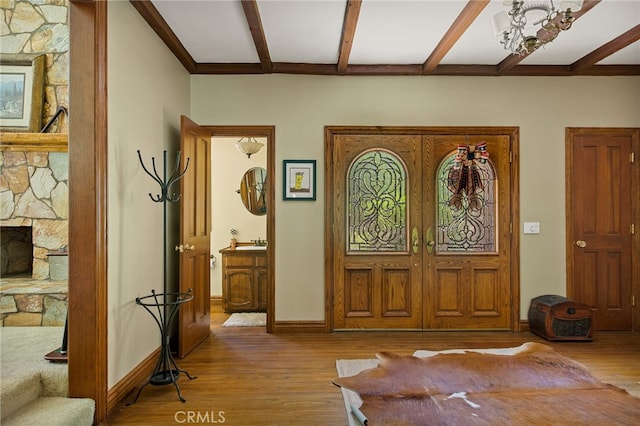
<point x="164" y="306"/>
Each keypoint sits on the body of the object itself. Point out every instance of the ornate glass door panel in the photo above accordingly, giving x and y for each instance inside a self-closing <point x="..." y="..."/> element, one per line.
<point x="377" y="203"/>
<point x="378" y="272"/>
<point x="466" y="206"/>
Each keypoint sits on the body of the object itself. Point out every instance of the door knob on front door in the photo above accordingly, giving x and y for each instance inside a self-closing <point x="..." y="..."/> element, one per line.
<point x="429" y="241"/>
<point x="581" y="243"/>
<point x="415" y="240"/>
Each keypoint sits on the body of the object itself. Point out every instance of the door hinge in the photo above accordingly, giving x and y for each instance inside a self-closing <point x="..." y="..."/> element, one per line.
<point x="510" y="227"/>
<point x="633" y="229"/>
<point x="511" y="156"/>
<point x="633" y="301"/>
<point x="632" y="157"/>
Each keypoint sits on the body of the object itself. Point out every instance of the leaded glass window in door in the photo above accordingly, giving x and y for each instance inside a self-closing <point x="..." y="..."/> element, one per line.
<point x="466" y="203"/>
<point x="377" y="203"/>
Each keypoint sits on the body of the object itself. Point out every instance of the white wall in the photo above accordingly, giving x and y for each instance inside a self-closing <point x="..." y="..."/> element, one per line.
<point x="228" y="166"/>
<point x="300" y="107"/>
<point x="148" y="91"/>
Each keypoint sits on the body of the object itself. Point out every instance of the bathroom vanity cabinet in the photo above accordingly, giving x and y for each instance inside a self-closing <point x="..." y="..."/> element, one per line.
<point x="244" y="280"/>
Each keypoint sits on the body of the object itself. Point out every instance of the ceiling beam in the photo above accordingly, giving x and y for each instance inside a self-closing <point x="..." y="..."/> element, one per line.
<point x="229" y="68"/>
<point x="252" y="15"/>
<point x="149" y="13"/>
<point x="414" y="69"/>
<point x="469" y="14"/>
<point x="512" y="60"/>
<point x="351" y="14"/>
<point x="608" y="49"/>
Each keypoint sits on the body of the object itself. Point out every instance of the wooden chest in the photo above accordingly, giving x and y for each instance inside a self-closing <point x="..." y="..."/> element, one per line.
<point x="558" y="318"/>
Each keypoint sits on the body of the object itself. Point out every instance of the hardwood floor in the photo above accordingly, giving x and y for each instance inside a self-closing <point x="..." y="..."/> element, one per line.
<point x="248" y="377"/>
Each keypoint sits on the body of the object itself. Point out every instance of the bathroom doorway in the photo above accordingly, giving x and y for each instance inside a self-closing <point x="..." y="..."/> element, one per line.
<point x="232" y="177"/>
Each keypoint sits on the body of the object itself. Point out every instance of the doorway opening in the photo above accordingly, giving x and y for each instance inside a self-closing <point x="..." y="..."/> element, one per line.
<point x="236" y="176"/>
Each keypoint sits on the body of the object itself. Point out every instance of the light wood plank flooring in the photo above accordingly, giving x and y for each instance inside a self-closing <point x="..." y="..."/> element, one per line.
<point x="248" y="377"/>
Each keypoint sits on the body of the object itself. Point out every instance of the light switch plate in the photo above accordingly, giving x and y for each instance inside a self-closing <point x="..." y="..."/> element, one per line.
<point x="532" y="227"/>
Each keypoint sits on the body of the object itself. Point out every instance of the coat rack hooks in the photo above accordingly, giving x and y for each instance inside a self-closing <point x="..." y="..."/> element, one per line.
<point x="165" y="183"/>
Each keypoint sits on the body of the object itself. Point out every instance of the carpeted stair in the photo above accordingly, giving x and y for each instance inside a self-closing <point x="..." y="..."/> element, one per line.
<point x="34" y="390"/>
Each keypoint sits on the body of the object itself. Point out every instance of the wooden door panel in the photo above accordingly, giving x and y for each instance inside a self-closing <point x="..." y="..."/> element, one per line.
<point x="485" y="293"/>
<point x="201" y="285"/>
<point x="599" y="238"/>
<point x="261" y="279"/>
<point x="448" y="293"/>
<point x="396" y="293"/>
<point x="358" y="292"/>
<point x="239" y="294"/>
<point x="586" y="275"/>
<point x="187" y="273"/>
<point x="195" y="226"/>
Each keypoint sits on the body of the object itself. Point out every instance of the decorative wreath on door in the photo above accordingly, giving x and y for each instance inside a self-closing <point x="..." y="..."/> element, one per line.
<point x="464" y="176"/>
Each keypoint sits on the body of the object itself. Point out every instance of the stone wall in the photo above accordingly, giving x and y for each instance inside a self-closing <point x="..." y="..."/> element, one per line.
<point x="41" y="26"/>
<point x="33" y="185"/>
<point x="33" y="309"/>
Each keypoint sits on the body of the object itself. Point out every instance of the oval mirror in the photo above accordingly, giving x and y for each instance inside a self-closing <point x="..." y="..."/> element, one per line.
<point x="253" y="187"/>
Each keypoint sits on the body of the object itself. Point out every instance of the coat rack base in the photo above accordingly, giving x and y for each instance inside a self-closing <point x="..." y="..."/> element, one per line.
<point x="163" y="307"/>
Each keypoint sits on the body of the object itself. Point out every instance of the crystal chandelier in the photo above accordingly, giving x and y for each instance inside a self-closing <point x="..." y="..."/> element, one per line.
<point x="532" y="24"/>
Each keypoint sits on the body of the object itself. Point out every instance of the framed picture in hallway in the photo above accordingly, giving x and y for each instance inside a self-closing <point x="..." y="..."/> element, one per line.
<point x="21" y="92"/>
<point x="299" y="180"/>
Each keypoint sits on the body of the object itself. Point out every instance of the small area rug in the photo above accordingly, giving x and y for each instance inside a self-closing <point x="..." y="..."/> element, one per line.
<point x="527" y="385"/>
<point x="352" y="367"/>
<point x="246" y="319"/>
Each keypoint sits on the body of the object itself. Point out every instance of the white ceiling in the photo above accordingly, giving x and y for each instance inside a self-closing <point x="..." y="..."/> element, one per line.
<point x="388" y="32"/>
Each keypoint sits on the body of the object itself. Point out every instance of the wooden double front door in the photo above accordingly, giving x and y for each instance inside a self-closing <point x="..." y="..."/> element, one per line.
<point x="421" y="221"/>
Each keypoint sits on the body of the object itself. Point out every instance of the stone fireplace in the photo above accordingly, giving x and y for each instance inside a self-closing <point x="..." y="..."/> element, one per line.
<point x="34" y="194"/>
<point x="34" y="167"/>
<point x="16" y="251"/>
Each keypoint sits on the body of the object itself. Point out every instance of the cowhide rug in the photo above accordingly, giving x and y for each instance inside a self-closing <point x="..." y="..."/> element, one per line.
<point x="533" y="386"/>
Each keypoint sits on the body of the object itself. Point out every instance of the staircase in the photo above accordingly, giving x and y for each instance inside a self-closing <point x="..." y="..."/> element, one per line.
<point x="34" y="391"/>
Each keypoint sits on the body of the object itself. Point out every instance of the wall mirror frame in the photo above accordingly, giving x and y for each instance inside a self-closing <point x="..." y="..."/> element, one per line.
<point x="268" y="132"/>
<point x="253" y="191"/>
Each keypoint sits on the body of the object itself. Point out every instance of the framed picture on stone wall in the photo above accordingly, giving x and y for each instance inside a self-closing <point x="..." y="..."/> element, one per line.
<point x="21" y="92"/>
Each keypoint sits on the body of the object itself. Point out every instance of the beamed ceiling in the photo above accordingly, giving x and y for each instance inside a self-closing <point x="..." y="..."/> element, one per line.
<point x="385" y="37"/>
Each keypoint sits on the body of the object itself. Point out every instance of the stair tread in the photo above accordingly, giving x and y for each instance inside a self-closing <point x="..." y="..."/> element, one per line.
<point x="18" y="391"/>
<point x="53" y="411"/>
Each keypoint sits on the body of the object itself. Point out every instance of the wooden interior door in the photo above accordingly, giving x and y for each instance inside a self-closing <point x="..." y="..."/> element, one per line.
<point x="195" y="227"/>
<point x="378" y="232"/>
<point x="600" y="194"/>
<point x="467" y="260"/>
